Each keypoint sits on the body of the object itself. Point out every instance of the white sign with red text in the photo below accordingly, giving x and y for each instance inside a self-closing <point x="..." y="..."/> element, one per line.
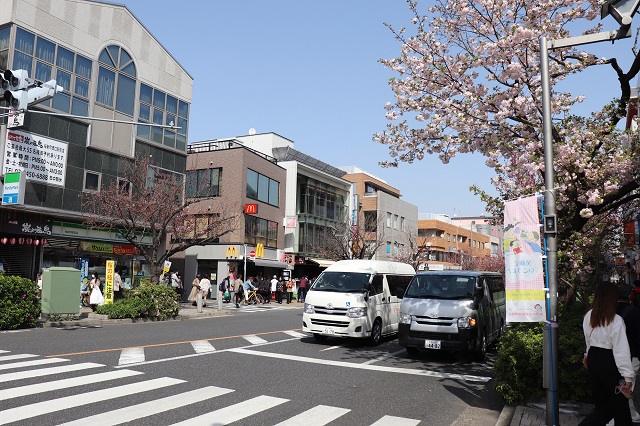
<point x="41" y="159"/>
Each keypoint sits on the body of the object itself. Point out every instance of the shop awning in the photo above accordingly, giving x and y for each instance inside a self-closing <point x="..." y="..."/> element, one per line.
<point x="321" y="262"/>
<point x="270" y="263"/>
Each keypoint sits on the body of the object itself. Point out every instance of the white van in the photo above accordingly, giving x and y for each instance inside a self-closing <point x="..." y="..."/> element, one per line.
<point x="356" y="298"/>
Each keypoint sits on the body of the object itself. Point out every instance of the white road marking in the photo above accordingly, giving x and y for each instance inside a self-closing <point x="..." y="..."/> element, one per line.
<point x="202" y="346"/>
<point x="395" y="421"/>
<point x="59" y="404"/>
<point x="19" y="375"/>
<point x="330" y="348"/>
<point x="131" y="356"/>
<point x="135" y="412"/>
<point x="235" y="412"/>
<point x="383" y="357"/>
<point x="428" y="373"/>
<point x="31" y="363"/>
<point x="64" y="383"/>
<point x="316" y="416"/>
<point x="254" y="340"/>
<point x="296" y="334"/>
<point x="16" y="356"/>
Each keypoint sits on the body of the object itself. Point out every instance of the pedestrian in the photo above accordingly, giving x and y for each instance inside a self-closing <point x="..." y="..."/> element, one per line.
<point x="631" y="316"/>
<point x="291" y="286"/>
<point x="205" y="285"/>
<point x="96" y="298"/>
<point x="238" y="290"/>
<point x="608" y="359"/>
<point x="274" y="283"/>
<point x="166" y="279"/>
<point x="195" y="289"/>
<point x="279" y="290"/>
<point x="302" y="288"/>
<point x="117" y="285"/>
<point x="248" y="286"/>
<point x="176" y="283"/>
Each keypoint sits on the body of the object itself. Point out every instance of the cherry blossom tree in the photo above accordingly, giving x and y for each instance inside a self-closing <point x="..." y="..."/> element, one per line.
<point x="416" y="250"/>
<point x="147" y="208"/>
<point x="346" y="241"/>
<point x="468" y="81"/>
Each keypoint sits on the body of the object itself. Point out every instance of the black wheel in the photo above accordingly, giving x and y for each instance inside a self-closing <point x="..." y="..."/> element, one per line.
<point x="260" y="299"/>
<point x="411" y="351"/>
<point x="376" y="332"/>
<point x="319" y="337"/>
<point x="480" y="353"/>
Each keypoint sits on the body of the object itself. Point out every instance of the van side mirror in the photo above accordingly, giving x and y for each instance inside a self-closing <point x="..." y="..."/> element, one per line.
<point x="479" y="292"/>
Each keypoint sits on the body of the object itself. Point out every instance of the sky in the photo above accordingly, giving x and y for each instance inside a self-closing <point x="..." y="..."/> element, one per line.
<point x="309" y="71"/>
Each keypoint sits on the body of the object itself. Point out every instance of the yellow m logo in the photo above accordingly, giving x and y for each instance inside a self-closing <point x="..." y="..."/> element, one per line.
<point x="231" y="252"/>
<point x="260" y="250"/>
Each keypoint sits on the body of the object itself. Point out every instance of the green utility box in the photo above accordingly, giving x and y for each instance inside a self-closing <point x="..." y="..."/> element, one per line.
<point x="61" y="291"/>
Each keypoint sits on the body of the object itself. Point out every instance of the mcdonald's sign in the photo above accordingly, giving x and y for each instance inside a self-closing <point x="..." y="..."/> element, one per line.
<point x="232" y="252"/>
<point x="250" y="209"/>
<point x="260" y="250"/>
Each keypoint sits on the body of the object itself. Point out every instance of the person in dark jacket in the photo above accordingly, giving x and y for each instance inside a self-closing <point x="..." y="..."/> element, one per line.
<point x="631" y="316"/>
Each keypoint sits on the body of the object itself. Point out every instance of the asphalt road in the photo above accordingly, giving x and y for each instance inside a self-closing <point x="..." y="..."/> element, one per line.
<point x="252" y="368"/>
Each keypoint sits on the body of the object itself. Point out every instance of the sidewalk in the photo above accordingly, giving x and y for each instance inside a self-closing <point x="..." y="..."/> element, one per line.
<point x="534" y="414"/>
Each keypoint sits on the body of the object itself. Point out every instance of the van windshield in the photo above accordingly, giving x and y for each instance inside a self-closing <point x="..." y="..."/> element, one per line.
<point x="342" y="282"/>
<point x="441" y="287"/>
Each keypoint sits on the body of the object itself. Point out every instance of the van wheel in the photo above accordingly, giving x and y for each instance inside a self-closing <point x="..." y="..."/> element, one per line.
<point x="376" y="332"/>
<point x="319" y="337"/>
<point x="480" y="353"/>
<point x="412" y="351"/>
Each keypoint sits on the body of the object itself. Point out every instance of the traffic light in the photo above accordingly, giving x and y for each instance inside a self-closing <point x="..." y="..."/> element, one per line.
<point x="14" y="84"/>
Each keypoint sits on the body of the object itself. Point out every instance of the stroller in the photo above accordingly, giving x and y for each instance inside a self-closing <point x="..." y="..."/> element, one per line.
<point x="224" y="289"/>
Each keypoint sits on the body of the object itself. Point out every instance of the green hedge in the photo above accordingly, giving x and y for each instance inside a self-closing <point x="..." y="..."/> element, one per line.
<point x="145" y="301"/>
<point x="19" y="303"/>
<point x="519" y="361"/>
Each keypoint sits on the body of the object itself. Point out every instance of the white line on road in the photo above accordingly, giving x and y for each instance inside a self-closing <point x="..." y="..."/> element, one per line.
<point x="296" y="334"/>
<point x="383" y="357"/>
<point x="31" y="363"/>
<point x="202" y="346"/>
<point x="59" y="404"/>
<point x="135" y="412"/>
<point x="131" y="356"/>
<point x="16" y="356"/>
<point x="64" y="383"/>
<point x="395" y="421"/>
<point x="235" y="412"/>
<point x="254" y="340"/>
<point x="429" y="373"/>
<point x="19" y="375"/>
<point x="330" y="348"/>
<point x="316" y="416"/>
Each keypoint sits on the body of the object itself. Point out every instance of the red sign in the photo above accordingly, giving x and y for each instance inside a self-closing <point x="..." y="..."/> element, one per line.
<point x="251" y="209"/>
<point x="118" y="249"/>
<point x="252" y="254"/>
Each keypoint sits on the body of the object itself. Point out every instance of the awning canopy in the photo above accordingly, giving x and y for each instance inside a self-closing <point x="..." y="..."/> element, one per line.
<point x="270" y="263"/>
<point x="323" y="263"/>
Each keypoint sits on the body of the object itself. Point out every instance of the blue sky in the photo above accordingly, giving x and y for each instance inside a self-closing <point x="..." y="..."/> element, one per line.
<point x="308" y="71"/>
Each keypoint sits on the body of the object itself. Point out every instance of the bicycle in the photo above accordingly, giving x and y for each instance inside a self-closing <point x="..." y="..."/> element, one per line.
<point x="254" y="298"/>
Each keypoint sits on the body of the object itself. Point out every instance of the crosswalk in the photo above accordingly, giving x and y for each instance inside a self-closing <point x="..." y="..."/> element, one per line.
<point x="260" y="308"/>
<point x="99" y="382"/>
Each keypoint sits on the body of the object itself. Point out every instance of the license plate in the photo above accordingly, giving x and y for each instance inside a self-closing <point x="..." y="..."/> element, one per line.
<point x="328" y="330"/>
<point x="432" y="344"/>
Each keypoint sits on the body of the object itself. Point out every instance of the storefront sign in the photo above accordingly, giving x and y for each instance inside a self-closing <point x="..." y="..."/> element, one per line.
<point x="28" y="227"/>
<point x="95" y="247"/>
<point x="108" y="284"/>
<point x="121" y="250"/>
<point x="291" y="221"/>
<point x="14" y="185"/>
<point x="41" y="159"/>
<point x="251" y="209"/>
<point x="75" y="230"/>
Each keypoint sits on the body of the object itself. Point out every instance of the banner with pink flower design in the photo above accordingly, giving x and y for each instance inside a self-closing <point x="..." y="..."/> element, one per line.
<point x="524" y="275"/>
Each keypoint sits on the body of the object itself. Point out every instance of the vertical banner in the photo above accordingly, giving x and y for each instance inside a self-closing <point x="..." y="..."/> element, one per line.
<point x="84" y="273"/>
<point x="524" y="276"/>
<point x="165" y="268"/>
<point x="108" y="285"/>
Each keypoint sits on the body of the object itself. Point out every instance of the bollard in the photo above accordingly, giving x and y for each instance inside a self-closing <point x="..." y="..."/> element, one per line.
<point x="220" y="296"/>
<point x="199" y="302"/>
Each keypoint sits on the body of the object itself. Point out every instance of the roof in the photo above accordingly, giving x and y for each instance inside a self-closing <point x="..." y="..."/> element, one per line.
<point x="289" y="154"/>
<point x="370" y="266"/>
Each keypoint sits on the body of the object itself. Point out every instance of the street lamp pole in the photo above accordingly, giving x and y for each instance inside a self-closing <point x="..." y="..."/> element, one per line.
<point x="622" y="11"/>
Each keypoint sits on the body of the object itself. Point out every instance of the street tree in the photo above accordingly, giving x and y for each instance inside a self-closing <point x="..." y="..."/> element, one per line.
<point x="416" y="250"/>
<point x="468" y="81"/>
<point x="357" y="241"/>
<point x="148" y="209"/>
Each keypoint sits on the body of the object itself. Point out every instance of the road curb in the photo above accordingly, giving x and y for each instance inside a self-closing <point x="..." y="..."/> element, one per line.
<point x="506" y="415"/>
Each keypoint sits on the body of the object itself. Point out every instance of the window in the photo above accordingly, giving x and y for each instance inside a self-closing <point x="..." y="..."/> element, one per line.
<point x="116" y="80"/>
<point x="370" y="221"/>
<point x="260" y="231"/>
<point x="203" y="183"/>
<point x="370" y="189"/>
<point x="398" y="284"/>
<point x="262" y="188"/>
<point x="388" y="220"/>
<point x="5" y="33"/>
<point x="395" y="221"/>
<point x="377" y="284"/>
<point x="448" y="237"/>
<point x="402" y="226"/>
<point x="158" y="107"/>
<point x="91" y="181"/>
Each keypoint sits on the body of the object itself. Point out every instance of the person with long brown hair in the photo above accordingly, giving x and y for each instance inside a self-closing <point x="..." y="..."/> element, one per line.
<point x="607" y="359"/>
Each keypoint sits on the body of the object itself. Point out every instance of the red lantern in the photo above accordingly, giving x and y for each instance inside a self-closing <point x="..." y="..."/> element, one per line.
<point x="29" y="241"/>
<point x="12" y="241"/>
<point x="44" y="242"/>
<point x="36" y="242"/>
<point x="4" y="240"/>
<point x="21" y="240"/>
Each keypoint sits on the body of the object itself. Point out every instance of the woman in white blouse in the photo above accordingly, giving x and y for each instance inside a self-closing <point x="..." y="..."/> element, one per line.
<point x="608" y="359"/>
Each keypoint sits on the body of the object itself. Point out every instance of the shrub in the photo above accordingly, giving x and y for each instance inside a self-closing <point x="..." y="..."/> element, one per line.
<point x="519" y="363"/>
<point x="19" y="303"/>
<point x="146" y="300"/>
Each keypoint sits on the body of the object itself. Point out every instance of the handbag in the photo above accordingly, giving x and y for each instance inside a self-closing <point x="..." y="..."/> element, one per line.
<point x="226" y="294"/>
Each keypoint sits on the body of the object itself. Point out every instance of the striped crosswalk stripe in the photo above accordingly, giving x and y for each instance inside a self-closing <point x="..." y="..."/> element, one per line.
<point x="131" y="356"/>
<point x="254" y="340"/>
<point x="139" y="411"/>
<point x="295" y="334"/>
<point x="395" y="421"/>
<point x="16" y="356"/>
<point x="235" y="412"/>
<point x="316" y="416"/>
<point x="202" y="346"/>
<point x="19" y="375"/>
<point x="31" y="363"/>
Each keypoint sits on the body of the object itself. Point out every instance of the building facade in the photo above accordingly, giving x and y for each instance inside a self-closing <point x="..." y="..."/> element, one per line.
<point x="250" y="183"/>
<point x="112" y="69"/>
<point x="388" y="221"/>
